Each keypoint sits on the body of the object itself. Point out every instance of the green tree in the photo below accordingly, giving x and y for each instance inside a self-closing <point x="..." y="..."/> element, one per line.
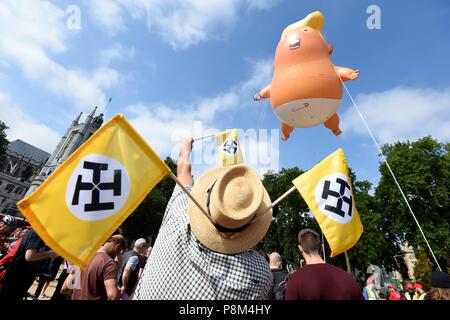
<point x="145" y="221"/>
<point x="289" y="217"/>
<point x="3" y="140"/>
<point x="423" y="268"/>
<point x="423" y="171"/>
<point x="373" y="247"/>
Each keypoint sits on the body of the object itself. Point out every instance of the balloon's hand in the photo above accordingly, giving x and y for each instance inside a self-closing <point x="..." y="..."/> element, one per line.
<point x="263" y="94"/>
<point x="257" y="97"/>
<point x="354" y="74"/>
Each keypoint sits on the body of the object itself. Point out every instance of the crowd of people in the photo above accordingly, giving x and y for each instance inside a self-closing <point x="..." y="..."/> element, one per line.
<point x="411" y="291"/>
<point x="112" y="274"/>
<point x="197" y="254"/>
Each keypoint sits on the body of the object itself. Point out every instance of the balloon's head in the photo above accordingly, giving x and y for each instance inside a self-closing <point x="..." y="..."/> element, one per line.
<point x="313" y="20"/>
<point x="303" y="41"/>
<point x="301" y="44"/>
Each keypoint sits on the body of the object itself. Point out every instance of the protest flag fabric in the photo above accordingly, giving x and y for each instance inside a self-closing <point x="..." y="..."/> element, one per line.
<point x="328" y="193"/>
<point x="87" y="198"/>
<point x="228" y="147"/>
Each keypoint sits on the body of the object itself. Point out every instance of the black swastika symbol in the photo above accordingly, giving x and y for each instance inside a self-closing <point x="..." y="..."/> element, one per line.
<point x="230" y="146"/>
<point x="340" y="195"/>
<point x="95" y="186"/>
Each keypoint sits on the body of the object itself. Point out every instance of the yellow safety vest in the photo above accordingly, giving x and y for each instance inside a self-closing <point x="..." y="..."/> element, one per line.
<point x="421" y="297"/>
<point x="371" y="295"/>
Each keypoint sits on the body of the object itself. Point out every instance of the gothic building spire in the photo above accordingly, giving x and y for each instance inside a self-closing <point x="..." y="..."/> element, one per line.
<point x="76" y="135"/>
<point x="90" y="116"/>
<point x="78" y="118"/>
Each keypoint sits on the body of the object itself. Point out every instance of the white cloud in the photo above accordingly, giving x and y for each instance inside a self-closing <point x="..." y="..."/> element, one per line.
<point x="21" y="126"/>
<point x="181" y="23"/>
<point x="163" y="126"/>
<point x="32" y="30"/>
<point x="171" y="123"/>
<point x="116" y="53"/>
<point x="402" y="113"/>
<point x="262" y="4"/>
<point x="107" y="13"/>
<point x="261" y="152"/>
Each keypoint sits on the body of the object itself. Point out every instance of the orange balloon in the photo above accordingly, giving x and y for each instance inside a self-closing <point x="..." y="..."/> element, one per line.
<point x="306" y="90"/>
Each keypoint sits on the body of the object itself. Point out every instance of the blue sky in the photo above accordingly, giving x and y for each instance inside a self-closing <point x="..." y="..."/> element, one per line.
<point x="174" y="66"/>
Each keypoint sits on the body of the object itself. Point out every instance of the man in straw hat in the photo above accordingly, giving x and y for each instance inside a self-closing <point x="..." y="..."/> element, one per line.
<point x="204" y="251"/>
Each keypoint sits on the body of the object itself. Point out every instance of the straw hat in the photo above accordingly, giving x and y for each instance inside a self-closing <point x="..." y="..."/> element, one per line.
<point x="237" y="203"/>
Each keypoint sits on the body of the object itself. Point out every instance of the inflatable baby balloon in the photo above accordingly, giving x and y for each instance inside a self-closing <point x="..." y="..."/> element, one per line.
<point x="306" y="90"/>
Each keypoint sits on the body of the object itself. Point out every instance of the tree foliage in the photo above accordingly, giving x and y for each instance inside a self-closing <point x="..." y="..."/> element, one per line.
<point x="423" y="171"/>
<point x="373" y="247"/>
<point x="289" y="217"/>
<point x="423" y="268"/>
<point x="145" y="221"/>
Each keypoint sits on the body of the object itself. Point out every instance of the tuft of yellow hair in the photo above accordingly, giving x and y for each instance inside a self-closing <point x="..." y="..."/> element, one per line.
<point x="313" y="20"/>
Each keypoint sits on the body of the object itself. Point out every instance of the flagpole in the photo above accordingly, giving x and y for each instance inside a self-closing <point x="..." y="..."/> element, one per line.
<point x="323" y="247"/>
<point x="347" y="262"/>
<point x="205" y="137"/>
<point x="174" y="177"/>
<point x="281" y="198"/>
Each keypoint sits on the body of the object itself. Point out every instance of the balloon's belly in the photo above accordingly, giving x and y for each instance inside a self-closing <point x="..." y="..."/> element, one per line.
<point x="305" y="113"/>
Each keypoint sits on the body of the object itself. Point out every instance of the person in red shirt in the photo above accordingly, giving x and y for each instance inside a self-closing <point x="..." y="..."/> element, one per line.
<point x="6" y="260"/>
<point x="393" y="293"/>
<point x="319" y="280"/>
<point x="409" y="294"/>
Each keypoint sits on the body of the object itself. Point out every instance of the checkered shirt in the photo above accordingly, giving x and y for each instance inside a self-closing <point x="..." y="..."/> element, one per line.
<point x="180" y="267"/>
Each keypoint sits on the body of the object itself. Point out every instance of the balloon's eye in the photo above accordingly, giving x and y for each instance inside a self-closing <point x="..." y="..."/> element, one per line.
<point x="294" y="43"/>
<point x="305" y="29"/>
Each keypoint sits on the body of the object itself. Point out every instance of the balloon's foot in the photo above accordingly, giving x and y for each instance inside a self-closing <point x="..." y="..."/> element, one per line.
<point x="337" y="132"/>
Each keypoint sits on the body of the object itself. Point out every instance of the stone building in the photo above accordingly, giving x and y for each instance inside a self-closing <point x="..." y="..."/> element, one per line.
<point x="25" y="167"/>
<point x="19" y="167"/>
<point x="76" y="135"/>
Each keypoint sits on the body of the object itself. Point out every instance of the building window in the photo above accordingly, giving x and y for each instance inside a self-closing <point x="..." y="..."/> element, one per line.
<point x="9" y="188"/>
<point x="28" y="172"/>
<point x="18" y="191"/>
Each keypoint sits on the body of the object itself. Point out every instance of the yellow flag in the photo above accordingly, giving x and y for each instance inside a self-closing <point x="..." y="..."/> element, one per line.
<point x="88" y="197"/>
<point x="228" y="147"/>
<point x="327" y="191"/>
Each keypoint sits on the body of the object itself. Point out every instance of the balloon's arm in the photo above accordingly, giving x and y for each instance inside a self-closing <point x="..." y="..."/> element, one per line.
<point x="263" y="94"/>
<point x="347" y="73"/>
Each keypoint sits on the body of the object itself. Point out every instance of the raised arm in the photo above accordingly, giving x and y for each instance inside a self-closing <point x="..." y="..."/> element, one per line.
<point x="184" y="163"/>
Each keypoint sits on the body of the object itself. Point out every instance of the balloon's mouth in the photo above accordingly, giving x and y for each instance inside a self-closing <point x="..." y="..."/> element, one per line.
<point x="294" y="43"/>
